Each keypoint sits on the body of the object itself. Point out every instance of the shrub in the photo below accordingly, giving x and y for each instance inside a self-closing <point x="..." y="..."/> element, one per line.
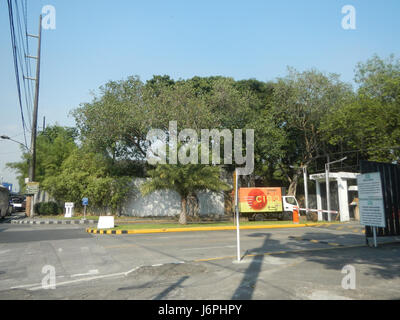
<point x="47" y="208"/>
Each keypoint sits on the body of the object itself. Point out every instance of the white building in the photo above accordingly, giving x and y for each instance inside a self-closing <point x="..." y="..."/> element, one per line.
<point x="342" y="179"/>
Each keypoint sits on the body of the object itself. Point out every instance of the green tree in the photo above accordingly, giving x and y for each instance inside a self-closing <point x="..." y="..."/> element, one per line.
<point x="300" y="101"/>
<point x="371" y="121"/>
<point x="53" y="146"/>
<point x="87" y="174"/>
<point x="115" y="123"/>
<point x="379" y="79"/>
<point x="186" y="180"/>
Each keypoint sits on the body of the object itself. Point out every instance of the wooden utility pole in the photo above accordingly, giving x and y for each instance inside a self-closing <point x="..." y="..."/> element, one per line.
<point x="32" y="162"/>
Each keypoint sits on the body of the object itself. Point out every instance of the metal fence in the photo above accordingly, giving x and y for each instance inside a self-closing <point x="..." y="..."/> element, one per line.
<point x="390" y="179"/>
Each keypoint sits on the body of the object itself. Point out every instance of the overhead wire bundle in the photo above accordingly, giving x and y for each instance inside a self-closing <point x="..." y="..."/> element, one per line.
<point x="18" y="17"/>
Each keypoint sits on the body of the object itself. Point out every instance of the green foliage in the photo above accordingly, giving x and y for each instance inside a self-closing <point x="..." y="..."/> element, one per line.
<point x="379" y="79"/>
<point x="296" y="119"/>
<point x="300" y="102"/>
<point x="371" y="122"/>
<point x="87" y="174"/>
<point x="53" y="146"/>
<point x="47" y="208"/>
<point x="185" y="180"/>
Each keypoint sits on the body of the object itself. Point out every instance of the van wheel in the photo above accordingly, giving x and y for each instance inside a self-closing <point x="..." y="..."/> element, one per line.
<point x="287" y="215"/>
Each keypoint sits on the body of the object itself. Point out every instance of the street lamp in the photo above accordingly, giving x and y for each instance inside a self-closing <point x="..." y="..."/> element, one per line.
<point x="8" y="138"/>
<point x="328" y="199"/>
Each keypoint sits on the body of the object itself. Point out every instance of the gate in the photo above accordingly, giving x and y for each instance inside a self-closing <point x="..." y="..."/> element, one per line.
<point x="390" y="179"/>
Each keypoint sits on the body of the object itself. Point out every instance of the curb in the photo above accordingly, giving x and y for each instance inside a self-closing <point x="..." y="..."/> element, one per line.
<point x="53" y="221"/>
<point x="166" y="230"/>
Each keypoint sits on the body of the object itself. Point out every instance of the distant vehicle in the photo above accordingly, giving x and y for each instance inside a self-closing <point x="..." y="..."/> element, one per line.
<point x="262" y="203"/>
<point x="4" y="202"/>
<point x="18" y="203"/>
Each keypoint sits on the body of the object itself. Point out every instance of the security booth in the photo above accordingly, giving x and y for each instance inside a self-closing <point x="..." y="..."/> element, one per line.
<point x="342" y="181"/>
<point x="390" y="194"/>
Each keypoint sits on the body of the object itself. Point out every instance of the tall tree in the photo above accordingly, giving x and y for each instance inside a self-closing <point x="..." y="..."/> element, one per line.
<point x="301" y="100"/>
<point x="371" y="122"/>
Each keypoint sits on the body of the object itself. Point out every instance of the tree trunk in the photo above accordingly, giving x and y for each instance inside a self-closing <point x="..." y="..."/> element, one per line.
<point x="193" y="205"/>
<point x="293" y="184"/>
<point x="182" y="217"/>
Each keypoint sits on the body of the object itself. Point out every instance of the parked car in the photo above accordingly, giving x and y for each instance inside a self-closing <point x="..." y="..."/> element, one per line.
<point x="18" y="203"/>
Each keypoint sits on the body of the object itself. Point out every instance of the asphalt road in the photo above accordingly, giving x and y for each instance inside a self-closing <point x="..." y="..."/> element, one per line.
<point x="303" y="263"/>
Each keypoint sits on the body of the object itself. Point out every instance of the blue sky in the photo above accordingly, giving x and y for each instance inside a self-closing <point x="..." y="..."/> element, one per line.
<point x="97" y="41"/>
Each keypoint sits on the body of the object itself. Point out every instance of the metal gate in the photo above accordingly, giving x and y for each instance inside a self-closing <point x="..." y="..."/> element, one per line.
<point x="390" y="179"/>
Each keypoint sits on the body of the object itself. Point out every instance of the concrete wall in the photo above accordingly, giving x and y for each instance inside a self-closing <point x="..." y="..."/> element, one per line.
<point x="168" y="203"/>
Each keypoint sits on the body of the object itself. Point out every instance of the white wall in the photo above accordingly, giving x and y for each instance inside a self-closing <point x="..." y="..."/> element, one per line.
<point x="168" y="203"/>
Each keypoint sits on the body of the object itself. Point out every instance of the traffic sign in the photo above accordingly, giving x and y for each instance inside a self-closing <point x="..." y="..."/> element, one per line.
<point x="32" y="188"/>
<point x="372" y="210"/>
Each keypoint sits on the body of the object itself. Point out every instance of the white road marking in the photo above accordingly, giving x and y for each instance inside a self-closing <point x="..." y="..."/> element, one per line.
<point x="91" y="272"/>
<point x="38" y="286"/>
<point x="119" y="274"/>
<point x="132" y="270"/>
<point x="206" y="248"/>
<point x="25" y="286"/>
<point x="5" y="251"/>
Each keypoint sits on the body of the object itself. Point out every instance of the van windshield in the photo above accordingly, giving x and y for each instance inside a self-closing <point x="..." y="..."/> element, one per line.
<point x="291" y="200"/>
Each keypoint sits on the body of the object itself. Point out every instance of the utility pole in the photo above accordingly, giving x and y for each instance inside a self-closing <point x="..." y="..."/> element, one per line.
<point x="328" y="195"/>
<point x="32" y="163"/>
<point x="305" y="186"/>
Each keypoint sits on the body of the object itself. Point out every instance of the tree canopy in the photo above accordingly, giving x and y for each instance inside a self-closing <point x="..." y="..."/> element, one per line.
<point x="298" y="120"/>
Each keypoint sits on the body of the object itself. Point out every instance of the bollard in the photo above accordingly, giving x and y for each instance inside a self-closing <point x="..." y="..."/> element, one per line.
<point x="296" y="215"/>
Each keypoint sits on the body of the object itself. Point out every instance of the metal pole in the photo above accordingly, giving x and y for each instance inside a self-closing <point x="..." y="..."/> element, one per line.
<point x="84" y="213"/>
<point x="32" y="166"/>
<point x="328" y="198"/>
<point x="374" y="232"/>
<point x="305" y="187"/>
<point x="237" y="216"/>
<point x="32" y="162"/>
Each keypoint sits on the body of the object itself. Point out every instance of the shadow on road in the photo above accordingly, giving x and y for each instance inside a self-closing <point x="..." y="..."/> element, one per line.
<point x="164" y="293"/>
<point x="382" y="262"/>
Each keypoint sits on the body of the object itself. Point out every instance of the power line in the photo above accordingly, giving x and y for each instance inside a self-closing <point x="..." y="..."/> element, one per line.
<point x="15" y="58"/>
<point x="18" y="16"/>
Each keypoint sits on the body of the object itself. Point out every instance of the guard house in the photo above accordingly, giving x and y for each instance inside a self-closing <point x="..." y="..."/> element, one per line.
<point x="343" y="188"/>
